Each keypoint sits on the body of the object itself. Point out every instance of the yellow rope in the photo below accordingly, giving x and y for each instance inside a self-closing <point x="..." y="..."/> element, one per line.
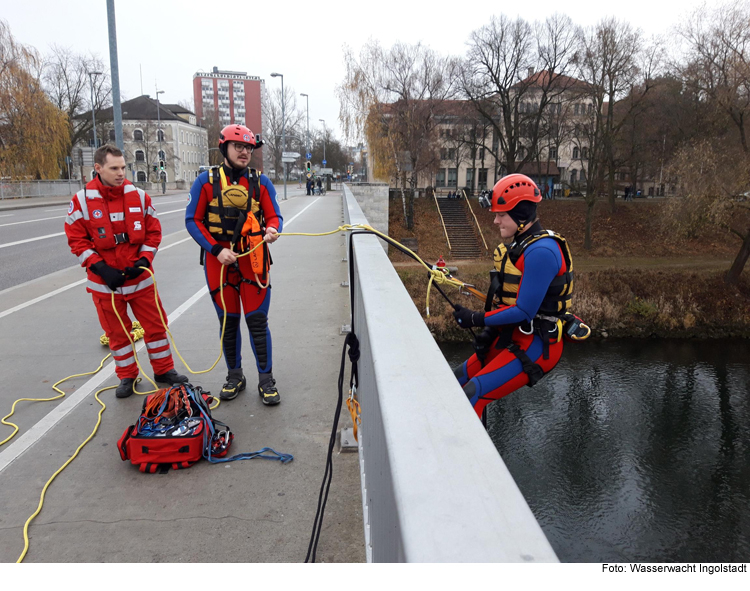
<point x="437" y="276"/>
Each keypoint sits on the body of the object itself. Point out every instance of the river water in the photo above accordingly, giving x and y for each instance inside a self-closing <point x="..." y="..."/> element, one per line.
<point x="634" y="450"/>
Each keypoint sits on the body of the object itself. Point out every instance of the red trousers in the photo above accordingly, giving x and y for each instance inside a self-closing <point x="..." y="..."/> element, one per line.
<point x="144" y="309"/>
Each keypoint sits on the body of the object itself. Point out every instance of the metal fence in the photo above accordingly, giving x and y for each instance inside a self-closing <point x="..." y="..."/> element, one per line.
<point x="434" y="488"/>
<point x="19" y="189"/>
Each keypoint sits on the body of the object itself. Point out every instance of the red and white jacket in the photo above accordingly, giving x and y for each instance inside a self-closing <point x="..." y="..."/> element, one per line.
<point x="117" y="225"/>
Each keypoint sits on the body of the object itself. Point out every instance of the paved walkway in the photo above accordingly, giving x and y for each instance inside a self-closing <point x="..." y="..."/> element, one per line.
<point x="103" y="509"/>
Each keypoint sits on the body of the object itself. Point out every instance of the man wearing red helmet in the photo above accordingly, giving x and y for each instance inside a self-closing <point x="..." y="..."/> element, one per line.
<point x="529" y="296"/>
<point x="113" y="230"/>
<point x="227" y="205"/>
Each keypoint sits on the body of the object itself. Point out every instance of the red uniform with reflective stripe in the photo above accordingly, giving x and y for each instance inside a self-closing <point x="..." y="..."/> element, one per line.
<point x="95" y="216"/>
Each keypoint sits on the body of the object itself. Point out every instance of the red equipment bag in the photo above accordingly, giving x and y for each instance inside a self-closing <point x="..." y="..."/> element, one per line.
<point x="175" y="430"/>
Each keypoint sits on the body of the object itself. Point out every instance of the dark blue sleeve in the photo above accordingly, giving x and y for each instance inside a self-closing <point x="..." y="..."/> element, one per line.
<point x="272" y="214"/>
<point x="194" y="214"/>
<point x="542" y="262"/>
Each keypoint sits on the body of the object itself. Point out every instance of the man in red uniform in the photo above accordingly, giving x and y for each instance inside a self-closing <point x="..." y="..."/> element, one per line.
<point x="223" y="202"/>
<point x="113" y="230"/>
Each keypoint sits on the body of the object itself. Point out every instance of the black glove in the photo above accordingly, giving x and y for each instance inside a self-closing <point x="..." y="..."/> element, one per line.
<point x="114" y="278"/>
<point x="134" y="271"/>
<point x="467" y="318"/>
<point x="483" y="342"/>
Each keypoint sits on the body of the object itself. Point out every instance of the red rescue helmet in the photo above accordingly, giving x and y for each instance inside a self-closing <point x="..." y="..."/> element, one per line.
<point x="237" y="133"/>
<point x="511" y="190"/>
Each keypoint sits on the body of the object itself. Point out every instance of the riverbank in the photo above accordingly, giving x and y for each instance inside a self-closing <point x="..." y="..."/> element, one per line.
<point x="638" y="280"/>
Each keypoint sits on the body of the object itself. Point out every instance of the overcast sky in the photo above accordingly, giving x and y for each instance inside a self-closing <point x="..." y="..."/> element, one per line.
<point x="172" y="40"/>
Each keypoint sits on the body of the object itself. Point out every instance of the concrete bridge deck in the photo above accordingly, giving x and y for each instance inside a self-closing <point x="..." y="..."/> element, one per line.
<point x="101" y="509"/>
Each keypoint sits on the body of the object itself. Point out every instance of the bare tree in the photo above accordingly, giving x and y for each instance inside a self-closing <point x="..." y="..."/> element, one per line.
<point x="712" y="193"/>
<point x="512" y="72"/>
<point x="617" y="65"/>
<point x="290" y="123"/>
<point x="717" y="60"/>
<point x="390" y="96"/>
<point x="67" y="83"/>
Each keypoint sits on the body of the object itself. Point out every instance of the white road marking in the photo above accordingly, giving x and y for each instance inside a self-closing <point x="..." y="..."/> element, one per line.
<point x="6" y="215"/>
<point x="57" y="217"/>
<point x="300" y="213"/>
<point x="70" y="402"/>
<point x="58" y="209"/>
<point x="51" y="419"/>
<point x="41" y="298"/>
<point x="31" y="240"/>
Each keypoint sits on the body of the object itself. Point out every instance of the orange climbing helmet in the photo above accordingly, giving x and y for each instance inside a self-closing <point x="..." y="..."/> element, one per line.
<point x="511" y="190"/>
<point x="237" y="133"/>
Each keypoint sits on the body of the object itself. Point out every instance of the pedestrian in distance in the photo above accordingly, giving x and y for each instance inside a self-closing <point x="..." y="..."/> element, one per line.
<point x="527" y="302"/>
<point x="224" y="202"/>
<point x="113" y="229"/>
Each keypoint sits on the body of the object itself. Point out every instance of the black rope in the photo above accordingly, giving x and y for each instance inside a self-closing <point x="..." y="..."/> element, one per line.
<point x="352" y="342"/>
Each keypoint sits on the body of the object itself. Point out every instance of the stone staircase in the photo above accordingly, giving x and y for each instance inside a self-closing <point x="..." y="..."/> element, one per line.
<point x="462" y="230"/>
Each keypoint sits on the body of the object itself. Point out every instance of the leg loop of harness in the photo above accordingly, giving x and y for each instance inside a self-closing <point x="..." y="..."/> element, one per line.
<point x="531" y="369"/>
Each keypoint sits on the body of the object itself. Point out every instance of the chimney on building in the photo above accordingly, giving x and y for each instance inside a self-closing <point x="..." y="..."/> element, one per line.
<point x="216" y="70"/>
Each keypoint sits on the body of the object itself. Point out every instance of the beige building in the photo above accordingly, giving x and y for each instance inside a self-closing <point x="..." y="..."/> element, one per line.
<point x="466" y="145"/>
<point x="167" y="147"/>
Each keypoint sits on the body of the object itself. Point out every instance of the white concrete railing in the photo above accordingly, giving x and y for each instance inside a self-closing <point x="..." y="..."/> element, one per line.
<point x="434" y="488"/>
<point x="16" y="189"/>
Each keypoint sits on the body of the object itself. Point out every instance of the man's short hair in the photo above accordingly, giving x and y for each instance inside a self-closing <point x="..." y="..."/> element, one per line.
<point x="100" y="156"/>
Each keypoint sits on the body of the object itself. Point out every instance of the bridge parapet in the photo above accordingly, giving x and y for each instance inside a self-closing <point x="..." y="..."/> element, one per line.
<point x="434" y="488"/>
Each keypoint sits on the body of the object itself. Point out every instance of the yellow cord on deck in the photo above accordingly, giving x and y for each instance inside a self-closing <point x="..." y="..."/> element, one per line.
<point x="437" y="276"/>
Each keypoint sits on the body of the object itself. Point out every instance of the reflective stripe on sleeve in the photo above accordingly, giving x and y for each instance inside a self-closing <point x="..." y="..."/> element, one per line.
<point x="82" y="203"/>
<point x="145" y="248"/>
<point x="74" y="217"/>
<point x="84" y="255"/>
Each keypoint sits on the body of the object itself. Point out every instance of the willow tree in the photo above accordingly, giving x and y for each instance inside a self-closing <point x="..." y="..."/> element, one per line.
<point x="33" y="132"/>
<point x="389" y="98"/>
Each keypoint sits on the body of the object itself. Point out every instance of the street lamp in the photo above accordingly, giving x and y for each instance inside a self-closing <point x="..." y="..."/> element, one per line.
<point x="307" y="100"/>
<point x="93" y="116"/>
<point x="158" y="132"/>
<point x="324" y="140"/>
<point x="283" y="126"/>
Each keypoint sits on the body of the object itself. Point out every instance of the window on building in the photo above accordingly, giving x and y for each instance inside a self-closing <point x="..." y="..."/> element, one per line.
<point x="453" y="177"/>
<point x="575" y="153"/>
<point x="443" y="153"/>
<point x="112" y="135"/>
<point x="440" y="178"/>
<point x="583" y="175"/>
<point x="482" y="182"/>
<point x="575" y="109"/>
<point x="591" y="108"/>
<point x="573" y="176"/>
<point x="451" y="153"/>
<point x="553" y="153"/>
<point x="138" y="135"/>
<point x="140" y="156"/>
<point x="160" y="135"/>
<point x="141" y="176"/>
<point x="521" y="151"/>
<point x="584" y="152"/>
<point x="481" y="153"/>
<point x="470" y="177"/>
<point x="162" y="155"/>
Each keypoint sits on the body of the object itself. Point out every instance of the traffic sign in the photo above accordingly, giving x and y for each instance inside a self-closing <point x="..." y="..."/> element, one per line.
<point x="324" y="162"/>
<point x="290" y="154"/>
<point x="308" y="155"/>
<point x="288" y="159"/>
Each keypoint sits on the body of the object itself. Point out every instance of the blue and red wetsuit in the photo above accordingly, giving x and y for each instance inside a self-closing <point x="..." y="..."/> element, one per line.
<point x="241" y="292"/>
<point x="502" y="372"/>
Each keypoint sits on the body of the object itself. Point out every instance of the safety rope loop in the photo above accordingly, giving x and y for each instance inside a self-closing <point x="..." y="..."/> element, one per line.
<point x="353" y="343"/>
